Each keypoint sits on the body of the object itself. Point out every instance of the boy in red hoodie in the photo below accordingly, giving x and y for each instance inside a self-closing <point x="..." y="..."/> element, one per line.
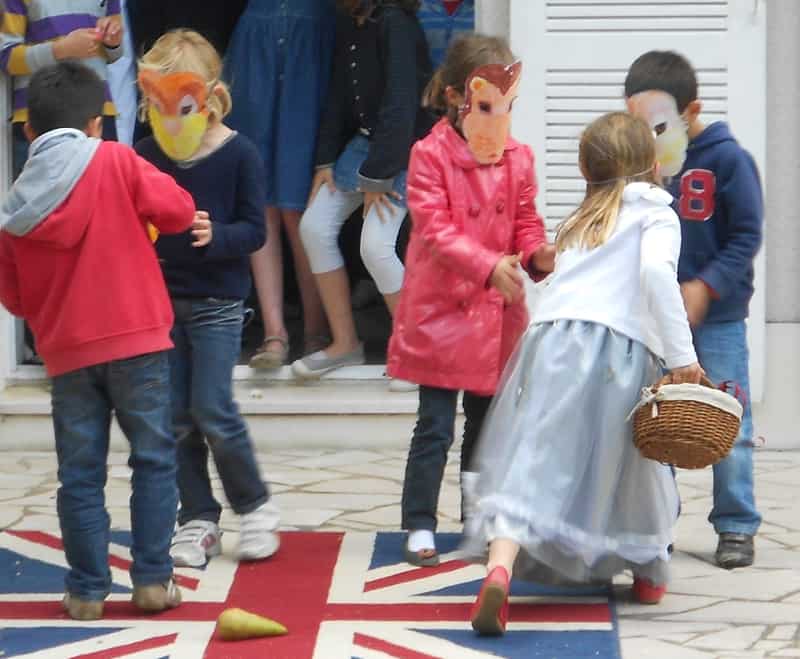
<point x="77" y="264"/>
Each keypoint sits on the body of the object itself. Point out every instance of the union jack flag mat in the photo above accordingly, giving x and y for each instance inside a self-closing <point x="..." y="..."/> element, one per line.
<point x="341" y="595"/>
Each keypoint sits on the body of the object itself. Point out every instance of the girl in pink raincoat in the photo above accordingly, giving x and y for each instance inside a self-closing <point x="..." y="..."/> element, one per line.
<point x="471" y="191"/>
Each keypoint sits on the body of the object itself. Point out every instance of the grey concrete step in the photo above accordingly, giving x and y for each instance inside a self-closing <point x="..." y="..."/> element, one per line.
<point x="281" y="414"/>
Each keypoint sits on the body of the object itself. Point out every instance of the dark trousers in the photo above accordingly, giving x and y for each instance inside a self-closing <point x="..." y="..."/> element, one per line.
<point x="427" y="457"/>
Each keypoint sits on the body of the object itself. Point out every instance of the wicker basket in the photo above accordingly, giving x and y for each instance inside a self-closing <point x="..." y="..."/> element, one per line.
<point x="686" y="425"/>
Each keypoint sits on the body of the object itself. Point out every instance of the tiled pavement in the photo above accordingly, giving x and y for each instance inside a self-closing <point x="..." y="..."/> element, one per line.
<point x="709" y="613"/>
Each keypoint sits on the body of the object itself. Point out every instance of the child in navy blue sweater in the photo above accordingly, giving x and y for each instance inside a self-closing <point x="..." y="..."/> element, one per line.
<point x="207" y="271"/>
<point x="718" y="197"/>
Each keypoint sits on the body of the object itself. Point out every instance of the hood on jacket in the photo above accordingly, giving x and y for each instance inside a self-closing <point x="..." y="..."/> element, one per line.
<point x="712" y="135"/>
<point x="56" y="163"/>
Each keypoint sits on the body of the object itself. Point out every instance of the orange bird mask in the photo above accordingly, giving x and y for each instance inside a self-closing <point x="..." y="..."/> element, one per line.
<point x="177" y="110"/>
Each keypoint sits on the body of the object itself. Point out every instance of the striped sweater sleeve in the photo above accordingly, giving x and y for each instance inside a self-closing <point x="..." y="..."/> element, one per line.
<point x="16" y="57"/>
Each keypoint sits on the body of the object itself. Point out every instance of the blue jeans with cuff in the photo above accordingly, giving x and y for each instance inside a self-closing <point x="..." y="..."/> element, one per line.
<point x="137" y="391"/>
<point x="723" y="353"/>
<point x="208" y="338"/>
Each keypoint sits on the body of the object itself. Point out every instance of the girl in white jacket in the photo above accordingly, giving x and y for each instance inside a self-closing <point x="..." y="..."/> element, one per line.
<point x="563" y="494"/>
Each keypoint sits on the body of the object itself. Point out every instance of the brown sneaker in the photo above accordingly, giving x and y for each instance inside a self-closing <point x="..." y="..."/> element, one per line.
<point x="156" y="597"/>
<point x="79" y="609"/>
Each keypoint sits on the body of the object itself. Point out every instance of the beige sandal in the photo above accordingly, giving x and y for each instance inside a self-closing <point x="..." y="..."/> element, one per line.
<point x="270" y="359"/>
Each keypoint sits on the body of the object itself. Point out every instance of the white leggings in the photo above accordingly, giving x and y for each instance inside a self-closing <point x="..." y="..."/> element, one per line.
<point x="322" y="222"/>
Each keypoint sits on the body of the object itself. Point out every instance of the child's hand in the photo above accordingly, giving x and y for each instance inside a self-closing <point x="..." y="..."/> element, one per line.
<point x="544" y="259"/>
<point x="696" y="299"/>
<point x="687" y="374"/>
<point x="110" y="31"/>
<point x="78" y="44"/>
<point x="201" y="229"/>
<point x="322" y="177"/>
<point x="506" y="278"/>
<point x="380" y="201"/>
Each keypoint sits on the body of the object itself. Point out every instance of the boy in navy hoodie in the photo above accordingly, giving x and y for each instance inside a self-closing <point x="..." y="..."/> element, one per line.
<point x="718" y="198"/>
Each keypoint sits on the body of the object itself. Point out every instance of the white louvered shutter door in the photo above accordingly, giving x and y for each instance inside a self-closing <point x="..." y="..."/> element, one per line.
<point x="576" y="54"/>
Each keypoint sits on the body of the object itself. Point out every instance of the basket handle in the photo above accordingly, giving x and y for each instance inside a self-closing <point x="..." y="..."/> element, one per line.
<point x="667" y="379"/>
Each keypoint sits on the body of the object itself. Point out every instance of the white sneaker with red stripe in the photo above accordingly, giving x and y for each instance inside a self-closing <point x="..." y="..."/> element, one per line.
<point x="194" y="543"/>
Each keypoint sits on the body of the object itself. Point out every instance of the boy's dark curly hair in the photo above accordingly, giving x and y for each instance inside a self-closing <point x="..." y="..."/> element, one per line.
<point x="666" y="71"/>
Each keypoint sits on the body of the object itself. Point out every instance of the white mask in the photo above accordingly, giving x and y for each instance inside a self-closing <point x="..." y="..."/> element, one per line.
<point x="660" y="110"/>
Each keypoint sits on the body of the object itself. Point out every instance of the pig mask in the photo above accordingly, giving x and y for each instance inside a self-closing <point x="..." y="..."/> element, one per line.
<point x="486" y="113"/>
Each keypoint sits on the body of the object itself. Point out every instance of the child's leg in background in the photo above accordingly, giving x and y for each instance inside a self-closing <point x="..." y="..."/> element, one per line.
<point x="427" y="457"/>
<point x="214" y="333"/>
<point x="197" y="499"/>
<point x="379" y="252"/>
<point x="475" y="409"/>
<point x="379" y="244"/>
<point x="722" y="351"/>
<point x="267" y="266"/>
<point x="315" y="325"/>
<point x="319" y="230"/>
<point x="140" y="391"/>
<point x="81" y="420"/>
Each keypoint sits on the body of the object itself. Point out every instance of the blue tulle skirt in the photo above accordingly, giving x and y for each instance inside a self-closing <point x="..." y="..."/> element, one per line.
<point x="559" y="473"/>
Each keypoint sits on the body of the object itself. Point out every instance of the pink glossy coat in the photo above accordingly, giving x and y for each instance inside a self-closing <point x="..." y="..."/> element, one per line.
<point x="451" y="329"/>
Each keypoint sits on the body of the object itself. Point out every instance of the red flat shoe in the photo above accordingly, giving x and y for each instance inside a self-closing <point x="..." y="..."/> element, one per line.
<point x="646" y="592"/>
<point x="490" y="612"/>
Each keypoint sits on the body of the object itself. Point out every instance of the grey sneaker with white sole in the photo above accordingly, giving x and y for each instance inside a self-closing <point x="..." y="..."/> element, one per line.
<point x="315" y="365"/>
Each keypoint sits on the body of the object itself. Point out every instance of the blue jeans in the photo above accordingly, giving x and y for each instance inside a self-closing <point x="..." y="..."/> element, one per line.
<point x="208" y="337"/>
<point x="137" y="390"/>
<point x="723" y="353"/>
<point x="427" y="457"/>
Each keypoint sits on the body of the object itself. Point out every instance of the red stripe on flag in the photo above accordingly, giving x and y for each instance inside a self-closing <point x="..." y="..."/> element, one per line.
<point x="130" y="648"/>
<point x="413" y="575"/>
<point x="39" y="538"/>
<point x="391" y="649"/>
<point x="292" y="588"/>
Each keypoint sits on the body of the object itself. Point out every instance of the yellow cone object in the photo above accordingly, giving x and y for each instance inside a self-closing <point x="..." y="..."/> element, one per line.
<point x="238" y="625"/>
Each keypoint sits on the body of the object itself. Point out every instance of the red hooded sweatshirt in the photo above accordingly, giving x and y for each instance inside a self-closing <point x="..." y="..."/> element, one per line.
<point x="76" y="261"/>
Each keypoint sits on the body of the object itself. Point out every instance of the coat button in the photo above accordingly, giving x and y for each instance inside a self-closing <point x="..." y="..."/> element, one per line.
<point x="352" y="65"/>
<point x="474" y="211"/>
<point x="352" y="46"/>
<point x="501" y="206"/>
